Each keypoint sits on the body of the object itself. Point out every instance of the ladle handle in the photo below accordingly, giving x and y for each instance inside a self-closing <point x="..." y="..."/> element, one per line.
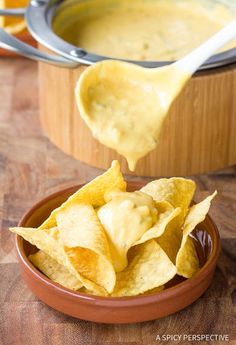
<point x="198" y="56"/>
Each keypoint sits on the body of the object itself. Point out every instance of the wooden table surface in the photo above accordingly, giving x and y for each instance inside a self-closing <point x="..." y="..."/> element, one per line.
<point x="30" y="168"/>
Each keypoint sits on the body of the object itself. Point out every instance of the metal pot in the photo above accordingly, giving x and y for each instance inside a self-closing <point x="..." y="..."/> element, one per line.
<point x="39" y="15"/>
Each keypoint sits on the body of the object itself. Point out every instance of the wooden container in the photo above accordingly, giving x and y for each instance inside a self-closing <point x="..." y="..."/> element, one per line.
<point x="199" y="134"/>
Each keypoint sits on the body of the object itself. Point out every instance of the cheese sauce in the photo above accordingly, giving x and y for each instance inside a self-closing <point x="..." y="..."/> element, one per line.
<point x="126" y="217"/>
<point x="142" y="29"/>
<point x="125" y="105"/>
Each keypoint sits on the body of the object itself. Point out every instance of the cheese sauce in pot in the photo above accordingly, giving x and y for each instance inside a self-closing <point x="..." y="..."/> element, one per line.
<point x="142" y="29"/>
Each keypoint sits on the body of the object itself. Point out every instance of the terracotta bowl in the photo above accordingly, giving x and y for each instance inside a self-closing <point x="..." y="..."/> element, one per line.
<point x="178" y="294"/>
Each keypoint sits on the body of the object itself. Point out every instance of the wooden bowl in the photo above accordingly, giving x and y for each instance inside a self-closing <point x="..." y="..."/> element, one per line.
<point x="178" y="294"/>
<point x="198" y="135"/>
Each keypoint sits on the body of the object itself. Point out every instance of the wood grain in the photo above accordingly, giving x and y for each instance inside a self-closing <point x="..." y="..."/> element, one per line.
<point x="198" y="135"/>
<point x="32" y="167"/>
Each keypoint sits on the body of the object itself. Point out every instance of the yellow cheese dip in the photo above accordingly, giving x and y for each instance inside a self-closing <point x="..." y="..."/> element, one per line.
<point x="142" y="29"/>
<point x="125" y="105"/>
<point x="126" y="217"/>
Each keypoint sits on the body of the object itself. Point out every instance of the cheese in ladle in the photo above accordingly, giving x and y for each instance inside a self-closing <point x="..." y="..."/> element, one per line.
<point x="125" y="105"/>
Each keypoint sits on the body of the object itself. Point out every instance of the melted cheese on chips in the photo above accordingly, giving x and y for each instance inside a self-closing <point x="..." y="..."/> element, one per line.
<point x="113" y="243"/>
<point x="149" y="268"/>
<point x="126" y="217"/>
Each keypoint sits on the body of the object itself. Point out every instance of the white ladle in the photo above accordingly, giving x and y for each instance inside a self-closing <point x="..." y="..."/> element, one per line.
<point x="124" y="104"/>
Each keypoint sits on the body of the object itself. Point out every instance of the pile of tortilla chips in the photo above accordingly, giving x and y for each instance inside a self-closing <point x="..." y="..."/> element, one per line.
<point x="78" y="252"/>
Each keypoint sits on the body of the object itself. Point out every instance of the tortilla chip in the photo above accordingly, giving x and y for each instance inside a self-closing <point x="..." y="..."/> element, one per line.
<point x="170" y="240"/>
<point x="92" y="193"/>
<point x="51" y="245"/>
<point x="152" y="291"/>
<point x="47" y="241"/>
<point x="164" y="218"/>
<point x="149" y="292"/>
<point x="84" y="237"/>
<point x="125" y="218"/>
<point x="163" y="206"/>
<point x="149" y="268"/>
<point x="187" y="262"/>
<point x="55" y="271"/>
<point x="176" y="190"/>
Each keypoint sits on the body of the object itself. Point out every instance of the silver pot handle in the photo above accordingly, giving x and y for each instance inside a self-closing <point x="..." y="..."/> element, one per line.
<point x="16" y="12"/>
<point x="11" y="43"/>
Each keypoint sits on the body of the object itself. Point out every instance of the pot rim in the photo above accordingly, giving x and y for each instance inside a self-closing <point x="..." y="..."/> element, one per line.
<point x="39" y="15"/>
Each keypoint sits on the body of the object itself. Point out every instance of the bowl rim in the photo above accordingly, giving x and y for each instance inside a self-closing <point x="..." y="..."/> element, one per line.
<point x="163" y="295"/>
